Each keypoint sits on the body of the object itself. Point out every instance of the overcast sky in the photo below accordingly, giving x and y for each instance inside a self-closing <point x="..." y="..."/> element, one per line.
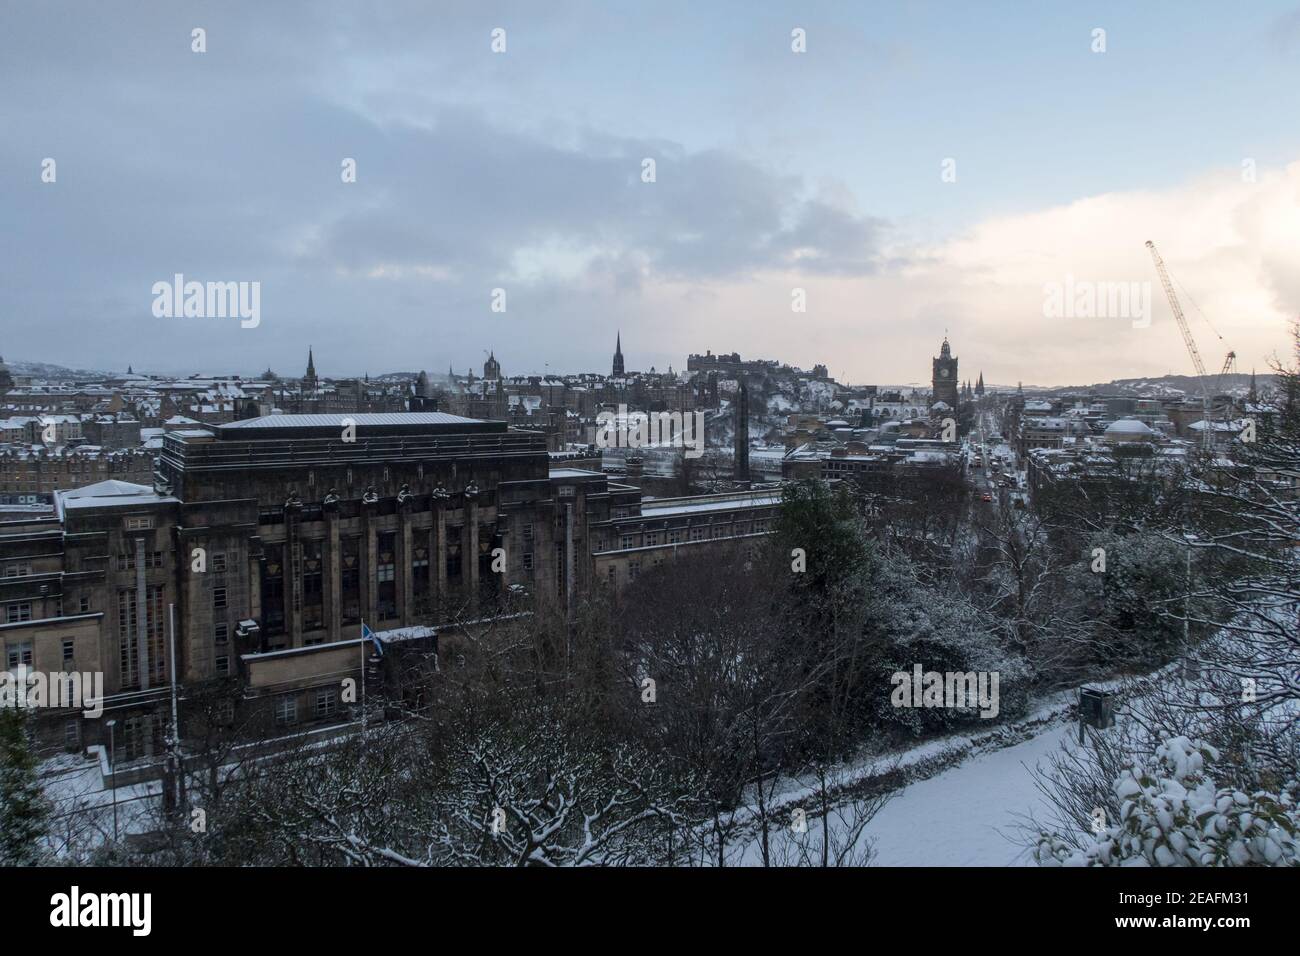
<point x="521" y="170"/>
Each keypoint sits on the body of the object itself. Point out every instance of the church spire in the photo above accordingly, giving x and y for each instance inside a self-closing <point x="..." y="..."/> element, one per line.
<point x="618" y="354"/>
<point x="309" y="380"/>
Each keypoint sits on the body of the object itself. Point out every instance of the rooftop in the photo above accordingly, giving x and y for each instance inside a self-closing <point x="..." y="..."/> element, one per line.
<point x="361" y="420"/>
<point x="108" y="494"/>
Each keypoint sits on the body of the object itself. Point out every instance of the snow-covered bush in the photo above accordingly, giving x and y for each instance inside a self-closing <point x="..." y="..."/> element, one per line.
<point x="1172" y="814"/>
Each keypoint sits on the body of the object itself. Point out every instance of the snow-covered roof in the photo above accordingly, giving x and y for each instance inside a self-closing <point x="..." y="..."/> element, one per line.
<point x="363" y="420"/>
<point x="108" y="494"/>
<point x="1128" y="426"/>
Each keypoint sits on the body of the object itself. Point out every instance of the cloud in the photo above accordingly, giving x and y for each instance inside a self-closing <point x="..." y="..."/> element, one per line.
<point x="1232" y="246"/>
<point x="225" y="166"/>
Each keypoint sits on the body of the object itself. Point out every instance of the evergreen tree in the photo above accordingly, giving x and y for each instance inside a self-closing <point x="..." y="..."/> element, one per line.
<point x="24" y="813"/>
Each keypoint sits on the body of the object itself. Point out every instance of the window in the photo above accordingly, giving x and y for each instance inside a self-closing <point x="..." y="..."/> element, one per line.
<point x="527" y="530"/>
<point x="453" y="554"/>
<point x="138" y="523"/>
<point x="651" y="538"/>
<point x="221" y="633"/>
<point x="698" y="533"/>
<point x="528" y="561"/>
<point x="17" y="569"/>
<point x="72" y="734"/>
<point x="273" y="590"/>
<point x="218" y="561"/>
<point x="326" y="701"/>
<point x="84" y="605"/>
<point x="18" y="611"/>
<point x="69" y="647"/>
<point x="223" y="666"/>
<point x="627" y="541"/>
<point x="385" y="573"/>
<point x="224" y="712"/>
<point x="18" y="655"/>
<point x="675" y="536"/>
<point x="218" y="598"/>
<point x="312" y="593"/>
<point x="633" y="569"/>
<point x="350" y="580"/>
<point x="286" y="710"/>
<point x="128" y="619"/>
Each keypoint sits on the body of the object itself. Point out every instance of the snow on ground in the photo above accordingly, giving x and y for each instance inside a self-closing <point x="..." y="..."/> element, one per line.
<point x="967" y="816"/>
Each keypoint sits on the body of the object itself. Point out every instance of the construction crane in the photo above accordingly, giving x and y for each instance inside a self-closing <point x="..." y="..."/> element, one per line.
<point x="1206" y="429"/>
<point x="1228" y="364"/>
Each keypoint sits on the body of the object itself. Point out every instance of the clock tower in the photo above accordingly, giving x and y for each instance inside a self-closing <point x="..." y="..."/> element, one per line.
<point x="944" y="381"/>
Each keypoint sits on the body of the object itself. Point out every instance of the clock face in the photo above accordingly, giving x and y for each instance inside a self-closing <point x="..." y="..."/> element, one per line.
<point x="943" y="373"/>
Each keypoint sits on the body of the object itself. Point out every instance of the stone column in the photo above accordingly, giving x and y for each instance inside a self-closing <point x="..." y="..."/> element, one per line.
<point x="469" y="551"/>
<point x="293" y="575"/>
<point x="370" y="586"/>
<point x="333" y="571"/>
<point x="141" y="616"/>
<point x="438" y="559"/>
<point x="403" y="559"/>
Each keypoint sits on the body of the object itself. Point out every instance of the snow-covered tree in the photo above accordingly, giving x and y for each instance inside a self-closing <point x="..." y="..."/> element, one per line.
<point x="24" y="811"/>
<point x="1172" y="814"/>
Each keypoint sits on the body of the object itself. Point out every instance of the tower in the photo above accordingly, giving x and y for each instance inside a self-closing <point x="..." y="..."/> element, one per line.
<point x="491" y="368"/>
<point x="944" y="381"/>
<point x="309" y="381"/>
<point x="979" y="385"/>
<point x="618" y="355"/>
<point x="741" y="466"/>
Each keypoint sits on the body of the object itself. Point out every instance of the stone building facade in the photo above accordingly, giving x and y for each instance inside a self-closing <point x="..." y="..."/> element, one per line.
<point x="272" y="540"/>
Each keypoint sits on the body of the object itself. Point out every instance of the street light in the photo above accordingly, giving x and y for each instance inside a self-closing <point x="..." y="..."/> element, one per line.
<point x="112" y="761"/>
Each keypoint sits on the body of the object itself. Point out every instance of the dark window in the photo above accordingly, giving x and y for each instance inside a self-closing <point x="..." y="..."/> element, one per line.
<point x="385" y="572"/>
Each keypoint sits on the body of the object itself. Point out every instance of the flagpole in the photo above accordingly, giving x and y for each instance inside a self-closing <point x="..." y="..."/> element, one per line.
<point x="363" y="679"/>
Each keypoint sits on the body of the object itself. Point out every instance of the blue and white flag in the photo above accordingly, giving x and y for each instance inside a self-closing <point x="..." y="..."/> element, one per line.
<point x="368" y="635"/>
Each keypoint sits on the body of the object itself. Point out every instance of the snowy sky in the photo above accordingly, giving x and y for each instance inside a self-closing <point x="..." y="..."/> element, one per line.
<point x="522" y="170"/>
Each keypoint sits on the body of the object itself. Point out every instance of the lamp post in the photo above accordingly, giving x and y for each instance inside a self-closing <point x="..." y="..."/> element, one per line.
<point x="112" y="761"/>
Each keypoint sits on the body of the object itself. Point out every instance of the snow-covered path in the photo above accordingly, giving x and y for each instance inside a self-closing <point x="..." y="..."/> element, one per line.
<point x="966" y="816"/>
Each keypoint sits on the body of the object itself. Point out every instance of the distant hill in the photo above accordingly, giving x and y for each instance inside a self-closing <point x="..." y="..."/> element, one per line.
<point x="1163" y="386"/>
<point x="53" y="373"/>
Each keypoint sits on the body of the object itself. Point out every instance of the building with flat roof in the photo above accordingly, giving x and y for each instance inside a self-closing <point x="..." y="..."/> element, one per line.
<point x="270" y="541"/>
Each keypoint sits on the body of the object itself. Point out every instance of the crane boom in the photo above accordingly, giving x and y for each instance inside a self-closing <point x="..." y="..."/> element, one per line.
<point x="1187" y="339"/>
